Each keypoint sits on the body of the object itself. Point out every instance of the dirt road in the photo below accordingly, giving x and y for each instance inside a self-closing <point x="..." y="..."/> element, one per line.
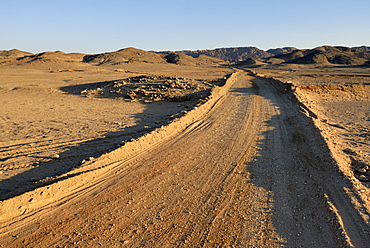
<point x="253" y="172"/>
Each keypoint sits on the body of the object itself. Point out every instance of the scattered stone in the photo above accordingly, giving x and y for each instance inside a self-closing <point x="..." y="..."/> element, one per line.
<point x="363" y="170"/>
<point x="55" y="156"/>
<point x="349" y="151"/>
<point x="33" y="179"/>
<point x="363" y="178"/>
<point x="154" y="88"/>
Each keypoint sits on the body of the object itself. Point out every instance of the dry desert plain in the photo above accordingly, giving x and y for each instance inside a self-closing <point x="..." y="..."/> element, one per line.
<point x="136" y="149"/>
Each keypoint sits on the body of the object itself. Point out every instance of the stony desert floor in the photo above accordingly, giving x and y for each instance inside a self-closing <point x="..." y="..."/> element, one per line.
<point x="167" y="155"/>
<point x="48" y="114"/>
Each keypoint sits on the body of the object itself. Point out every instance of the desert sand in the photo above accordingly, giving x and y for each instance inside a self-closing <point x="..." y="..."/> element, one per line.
<point x="138" y="149"/>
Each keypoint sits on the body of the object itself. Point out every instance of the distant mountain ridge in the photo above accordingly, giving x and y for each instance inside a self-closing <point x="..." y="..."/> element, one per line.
<point x="327" y="55"/>
<point x="232" y="54"/>
<point x="238" y="54"/>
<point x="362" y="49"/>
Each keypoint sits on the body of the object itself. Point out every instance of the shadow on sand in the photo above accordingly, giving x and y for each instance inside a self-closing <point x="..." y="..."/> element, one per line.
<point x="295" y="165"/>
<point x="50" y="172"/>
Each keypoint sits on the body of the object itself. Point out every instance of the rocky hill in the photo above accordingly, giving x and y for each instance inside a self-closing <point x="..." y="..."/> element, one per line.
<point x="51" y="57"/>
<point x="362" y="49"/>
<point x="232" y="54"/>
<point x="255" y="56"/>
<point x="127" y="55"/>
<point x="14" y="53"/>
<point x="281" y="50"/>
<point x="327" y="55"/>
<point x="10" y="56"/>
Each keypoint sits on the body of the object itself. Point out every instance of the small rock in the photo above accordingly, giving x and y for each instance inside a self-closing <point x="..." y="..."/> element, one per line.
<point x="55" y="156"/>
<point x="33" y="179"/>
<point x="363" y="178"/>
<point x="363" y="170"/>
<point x="348" y="151"/>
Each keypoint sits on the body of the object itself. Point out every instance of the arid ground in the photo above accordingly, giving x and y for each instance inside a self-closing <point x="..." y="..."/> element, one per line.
<point x="137" y="149"/>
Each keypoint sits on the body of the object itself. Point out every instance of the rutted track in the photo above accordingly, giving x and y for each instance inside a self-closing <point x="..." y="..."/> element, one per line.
<point x="252" y="172"/>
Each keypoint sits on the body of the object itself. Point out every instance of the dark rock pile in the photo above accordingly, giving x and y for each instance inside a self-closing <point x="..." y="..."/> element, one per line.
<point x="154" y="88"/>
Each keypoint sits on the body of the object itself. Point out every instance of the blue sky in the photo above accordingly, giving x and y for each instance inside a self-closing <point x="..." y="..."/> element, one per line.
<point x="101" y="26"/>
